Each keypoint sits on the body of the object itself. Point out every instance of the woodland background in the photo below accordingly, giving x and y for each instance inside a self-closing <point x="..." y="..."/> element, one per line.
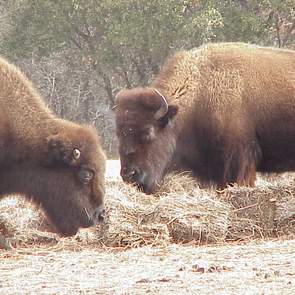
<point x="79" y="54"/>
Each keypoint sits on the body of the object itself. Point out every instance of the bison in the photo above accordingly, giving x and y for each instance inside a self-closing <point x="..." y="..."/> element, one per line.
<point x="222" y="111"/>
<point x="56" y="163"/>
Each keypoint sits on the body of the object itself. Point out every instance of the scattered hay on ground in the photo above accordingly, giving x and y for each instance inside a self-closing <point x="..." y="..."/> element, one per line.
<point x="179" y="212"/>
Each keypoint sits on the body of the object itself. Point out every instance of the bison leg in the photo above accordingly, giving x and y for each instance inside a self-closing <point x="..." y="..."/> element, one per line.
<point x="3" y="243"/>
<point x="240" y="164"/>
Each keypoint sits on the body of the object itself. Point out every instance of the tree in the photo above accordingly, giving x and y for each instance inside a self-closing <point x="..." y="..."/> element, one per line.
<point x="123" y="43"/>
<point x="128" y="39"/>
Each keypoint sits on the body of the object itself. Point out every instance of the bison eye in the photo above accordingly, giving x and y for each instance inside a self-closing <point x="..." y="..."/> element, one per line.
<point x="85" y="175"/>
<point x="148" y="134"/>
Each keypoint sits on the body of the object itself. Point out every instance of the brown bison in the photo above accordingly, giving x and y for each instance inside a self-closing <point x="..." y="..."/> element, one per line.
<point x="56" y="163"/>
<point x="222" y="111"/>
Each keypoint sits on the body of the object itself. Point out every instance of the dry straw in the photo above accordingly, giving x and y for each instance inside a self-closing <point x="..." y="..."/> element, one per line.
<point x="179" y="212"/>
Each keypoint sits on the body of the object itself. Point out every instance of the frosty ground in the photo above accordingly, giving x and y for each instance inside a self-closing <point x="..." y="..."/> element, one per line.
<point x="252" y="267"/>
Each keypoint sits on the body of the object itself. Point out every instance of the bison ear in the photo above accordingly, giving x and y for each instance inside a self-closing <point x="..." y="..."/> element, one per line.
<point x="171" y="113"/>
<point x="61" y="150"/>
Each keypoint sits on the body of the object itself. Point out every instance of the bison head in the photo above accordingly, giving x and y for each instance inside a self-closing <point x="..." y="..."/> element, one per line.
<point x="70" y="186"/>
<point x="68" y="202"/>
<point x="146" y="137"/>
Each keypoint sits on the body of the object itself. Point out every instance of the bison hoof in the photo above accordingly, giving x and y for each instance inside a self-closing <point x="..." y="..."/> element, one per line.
<point x="4" y="244"/>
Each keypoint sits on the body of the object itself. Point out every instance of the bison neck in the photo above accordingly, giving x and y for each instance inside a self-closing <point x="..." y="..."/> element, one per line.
<point x="29" y="142"/>
<point x="42" y="185"/>
<point x="25" y="120"/>
<point x="24" y="180"/>
<point x="186" y="150"/>
<point x="198" y="146"/>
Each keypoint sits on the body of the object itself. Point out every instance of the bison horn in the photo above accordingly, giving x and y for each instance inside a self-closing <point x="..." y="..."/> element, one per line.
<point x="76" y="154"/>
<point x="163" y="108"/>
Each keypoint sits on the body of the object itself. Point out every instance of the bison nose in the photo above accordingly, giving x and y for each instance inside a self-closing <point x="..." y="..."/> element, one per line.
<point x="130" y="174"/>
<point x="99" y="214"/>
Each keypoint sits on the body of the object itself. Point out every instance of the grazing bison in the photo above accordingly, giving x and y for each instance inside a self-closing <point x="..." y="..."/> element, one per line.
<point x="222" y="111"/>
<point x="56" y="163"/>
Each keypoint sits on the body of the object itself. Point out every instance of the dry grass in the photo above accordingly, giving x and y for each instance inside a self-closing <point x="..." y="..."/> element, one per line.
<point x="93" y="262"/>
<point x="252" y="268"/>
<point x="180" y="212"/>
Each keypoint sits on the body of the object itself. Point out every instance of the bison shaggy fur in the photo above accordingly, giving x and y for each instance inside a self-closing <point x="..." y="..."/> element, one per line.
<point x="54" y="162"/>
<point x="222" y="111"/>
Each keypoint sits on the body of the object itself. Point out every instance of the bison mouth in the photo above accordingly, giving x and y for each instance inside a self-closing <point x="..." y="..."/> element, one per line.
<point x="145" y="188"/>
<point x="68" y="226"/>
<point x="148" y="185"/>
<point x="143" y="180"/>
<point x="98" y="215"/>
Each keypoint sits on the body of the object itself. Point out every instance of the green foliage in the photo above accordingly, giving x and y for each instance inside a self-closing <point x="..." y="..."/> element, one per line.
<point x="31" y="29"/>
<point x="152" y="27"/>
<point x="133" y="37"/>
<point x="243" y="24"/>
<point x="122" y="43"/>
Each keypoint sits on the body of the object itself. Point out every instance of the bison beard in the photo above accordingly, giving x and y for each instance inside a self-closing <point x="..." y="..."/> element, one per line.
<point x="56" y="163"/>
<point x="222" y="111"/>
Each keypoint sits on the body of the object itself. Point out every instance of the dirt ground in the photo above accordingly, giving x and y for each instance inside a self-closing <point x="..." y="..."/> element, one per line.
<point x="256" y="267"/>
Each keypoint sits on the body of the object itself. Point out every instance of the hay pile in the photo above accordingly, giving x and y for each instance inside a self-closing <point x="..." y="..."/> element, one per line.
<point x="179" y="212"/>
<point x="22" y="224"/>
